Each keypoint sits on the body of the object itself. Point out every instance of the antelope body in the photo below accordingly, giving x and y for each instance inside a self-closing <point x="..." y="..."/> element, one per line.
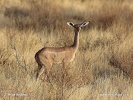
<point x="49" y="55"/>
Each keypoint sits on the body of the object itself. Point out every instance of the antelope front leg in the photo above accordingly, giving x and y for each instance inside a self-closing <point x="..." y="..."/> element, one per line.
<point x="65" y="71"/>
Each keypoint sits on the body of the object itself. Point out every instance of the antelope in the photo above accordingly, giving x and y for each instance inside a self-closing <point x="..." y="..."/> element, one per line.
<point x="49" y="55"/>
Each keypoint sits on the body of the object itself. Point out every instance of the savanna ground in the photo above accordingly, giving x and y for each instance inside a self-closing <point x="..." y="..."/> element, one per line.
<point x="102" y="68"/>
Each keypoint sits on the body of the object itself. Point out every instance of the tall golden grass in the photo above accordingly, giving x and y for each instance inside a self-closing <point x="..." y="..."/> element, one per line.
<point x="102" y="68"/>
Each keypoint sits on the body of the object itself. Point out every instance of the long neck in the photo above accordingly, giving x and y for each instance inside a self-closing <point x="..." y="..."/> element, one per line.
<point x="76" y="40"/>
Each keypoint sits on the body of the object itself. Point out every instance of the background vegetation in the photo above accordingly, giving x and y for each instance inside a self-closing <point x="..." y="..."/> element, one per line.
<point x="103" y="66"/>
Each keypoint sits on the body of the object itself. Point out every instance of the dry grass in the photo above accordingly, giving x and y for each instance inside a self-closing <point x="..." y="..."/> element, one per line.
<point x="102" y="68"/>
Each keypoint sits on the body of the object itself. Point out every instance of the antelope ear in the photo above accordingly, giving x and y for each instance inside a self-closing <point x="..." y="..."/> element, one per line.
<point x="84" y="24"/>
<point x="70" y="24"/>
